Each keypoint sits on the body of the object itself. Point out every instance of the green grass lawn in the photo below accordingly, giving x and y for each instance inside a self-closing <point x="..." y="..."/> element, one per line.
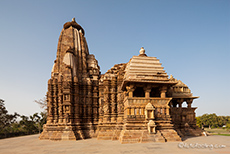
<point x="218" y="131"/>
<point x="222" y="134"/>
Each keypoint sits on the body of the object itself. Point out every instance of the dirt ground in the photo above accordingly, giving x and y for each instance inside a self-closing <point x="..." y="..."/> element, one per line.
<point x="32" y="145"/>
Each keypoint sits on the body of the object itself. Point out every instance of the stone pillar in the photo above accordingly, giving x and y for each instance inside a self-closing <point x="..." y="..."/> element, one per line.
<point x="60" y="99"/>
<point x="106" y="101"/>
<point x="84" y="100"/>
<point x="128" y="111"/>
<point x="147" y="91"/>
<point x="189" y="103"/>
<point x="89" y="100"/>
<point x="142" y="110"/>
<point x="95" y="104"/>
<point x="163" y="91"/>
<point x="70" y="114"/>
<point x="81" y="101"/>
<point x="50" y="104"/>
<point x="60" y="108"/>
<point x="55" y="100"/>
<point x="180" y="102"/>
<point x="130" y="90"/>
<point x="101" y="102"/>
<point x="138" y="111"/>
<point x="167" y="110"/>
<point x="132" y="111"/>
<point x="120" y="106"/>
<point x="76" y="105"/>
<point x="162" y="110"/>
<point x="120" y="99"/>
<point x="113" y="99"/>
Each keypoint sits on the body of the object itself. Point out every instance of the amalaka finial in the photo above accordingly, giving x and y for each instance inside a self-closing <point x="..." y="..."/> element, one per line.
<point x="73" y="24"/>
<point x="142" y="52"/>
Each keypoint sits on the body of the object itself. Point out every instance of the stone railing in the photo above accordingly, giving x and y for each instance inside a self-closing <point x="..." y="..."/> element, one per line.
<point x="135" y="117"/>
<point x="142" y="102"/>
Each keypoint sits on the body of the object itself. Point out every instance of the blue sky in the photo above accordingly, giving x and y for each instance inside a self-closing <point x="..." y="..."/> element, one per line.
<point x="191" y="38"/>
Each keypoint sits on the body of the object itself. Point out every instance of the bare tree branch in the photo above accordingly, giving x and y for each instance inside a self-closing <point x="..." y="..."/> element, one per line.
<point x="42" y="103"/>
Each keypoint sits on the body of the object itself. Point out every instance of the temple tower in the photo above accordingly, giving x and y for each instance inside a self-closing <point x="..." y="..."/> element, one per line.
<point x="72" y="97"/>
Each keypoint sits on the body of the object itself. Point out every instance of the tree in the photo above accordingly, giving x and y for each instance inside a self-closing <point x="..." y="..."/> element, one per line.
<point x="43" y="105"/>
<point x="9" y="126"/>
<point x="39" y="120"/>
<point x="212" y="120"/>
<point x="222" y="120"/>
<point x="228" y="125"/>
<point x="5" y="118"/>
<point x="3" y="113"/>
<point x="198" y="122"/>
<point x="28" y="125"/>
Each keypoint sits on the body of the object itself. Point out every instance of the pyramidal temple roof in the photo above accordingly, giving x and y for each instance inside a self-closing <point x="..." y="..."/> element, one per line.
<point x="145" y="69"/>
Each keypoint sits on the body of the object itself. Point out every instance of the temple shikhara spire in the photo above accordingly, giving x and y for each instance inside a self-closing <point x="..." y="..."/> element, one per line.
<point x="132" y="102"/>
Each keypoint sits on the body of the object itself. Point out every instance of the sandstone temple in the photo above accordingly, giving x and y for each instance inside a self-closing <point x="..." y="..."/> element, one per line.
<point x="132" y="102"/>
